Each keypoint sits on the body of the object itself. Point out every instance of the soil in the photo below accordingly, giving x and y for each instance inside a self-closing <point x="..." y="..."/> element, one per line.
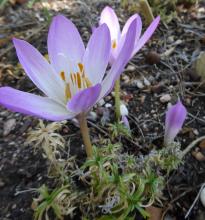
<point x="171" y="75"/>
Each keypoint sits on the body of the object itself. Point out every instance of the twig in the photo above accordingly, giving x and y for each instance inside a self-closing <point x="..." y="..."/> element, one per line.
<point x="24" y="191"/>
<point x="191" y="145"/>
<point x="98" y="128"/>
<point x="193" y="204"/>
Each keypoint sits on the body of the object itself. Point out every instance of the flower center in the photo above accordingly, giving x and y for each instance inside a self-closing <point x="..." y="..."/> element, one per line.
<point x="76" y="82"/>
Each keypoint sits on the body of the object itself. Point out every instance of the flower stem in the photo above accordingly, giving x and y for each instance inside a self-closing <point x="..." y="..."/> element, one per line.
<point x="117" y="100"/>
<point x="85" y="134"/>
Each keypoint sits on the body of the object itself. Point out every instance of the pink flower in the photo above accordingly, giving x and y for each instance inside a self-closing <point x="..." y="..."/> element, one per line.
<point x="109" y="17"/>
<point x="74" y="80"/>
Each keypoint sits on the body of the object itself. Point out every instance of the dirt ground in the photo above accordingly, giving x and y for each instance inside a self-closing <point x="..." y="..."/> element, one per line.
<point x="149" y="83"/>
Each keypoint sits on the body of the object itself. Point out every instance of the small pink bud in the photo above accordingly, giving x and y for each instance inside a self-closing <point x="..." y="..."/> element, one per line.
<point x="175" y="117"/>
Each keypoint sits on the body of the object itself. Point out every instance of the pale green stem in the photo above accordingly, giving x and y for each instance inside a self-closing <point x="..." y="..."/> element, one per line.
<point x="117" y="100"/>
<point x="85" y="134"/>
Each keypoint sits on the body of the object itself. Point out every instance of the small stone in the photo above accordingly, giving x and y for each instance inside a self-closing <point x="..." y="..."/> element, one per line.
<point x="202" y="196"/>
<point x="202" y="144"/>
<point x="2" y="184"/>
<point x="9" y="125"/>
<point x="13" y="206"/>
<point x="198" y="155"/>
<point x="130" y="68"/>
<point x="170" y="39"/>
<point x="146" y="82"/>
<point x="92" y="116"/>
<point x="126" y="78"/>
<point x="139" y="84"/>
<point x="196" y="132"/>
<point x="165" y="98"/>
<point x="108" y="105"/>
<point x="153" y="58"/>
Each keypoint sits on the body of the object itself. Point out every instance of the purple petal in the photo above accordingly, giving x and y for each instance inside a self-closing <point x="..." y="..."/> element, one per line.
<point x="175" y="117"/>
<point x="119" y="64"/>
<point x="146" y="36"/>
<point x="34" y="105"/>
<point x="97" y="54"/>
<point x="39" y="70"/>
<point x="64" y="43"/>
<point x="124" y="32"/>
<point x="93" y="28"/>
<point x="84" y="100"/>
<point x="109" y="17"/>
<point x="139" y="26"/>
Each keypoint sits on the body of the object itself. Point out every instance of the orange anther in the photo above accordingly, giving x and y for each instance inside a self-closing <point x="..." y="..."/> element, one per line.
<point x="62" y="74"/>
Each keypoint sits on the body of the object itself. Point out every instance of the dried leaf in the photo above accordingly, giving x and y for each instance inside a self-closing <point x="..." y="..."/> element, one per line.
<point x="154" y="212"/>
<point x="202" y="144"/>
<point x="199" y="65"/>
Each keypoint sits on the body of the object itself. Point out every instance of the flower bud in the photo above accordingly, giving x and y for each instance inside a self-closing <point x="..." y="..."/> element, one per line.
<point x="175" y="117"/>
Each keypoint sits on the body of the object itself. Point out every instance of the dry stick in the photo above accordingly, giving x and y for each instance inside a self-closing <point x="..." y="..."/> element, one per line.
<point x="190" y="146"/>
<point x="85" y="134"/>
<point x="196" y="199"/>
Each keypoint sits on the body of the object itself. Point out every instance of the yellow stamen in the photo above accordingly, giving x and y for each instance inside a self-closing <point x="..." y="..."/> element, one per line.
<point x="114" y="44"/>
<point x="79" y="80"/>
<point x="81" y="67"/>
<point x="62" y="76"/>
<point x="67" y="91"/>
<point x="88" y="83"/>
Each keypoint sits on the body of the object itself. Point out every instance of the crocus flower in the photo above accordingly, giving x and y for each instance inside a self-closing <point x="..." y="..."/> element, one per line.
<point x="109" y="17"/>
<point x="74" y="79"/>
<point x="175" y="117"/>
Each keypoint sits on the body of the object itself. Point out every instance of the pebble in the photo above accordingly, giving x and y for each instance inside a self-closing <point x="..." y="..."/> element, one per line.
<point x="108" y="105"/>
<point x="13" y="206"/>
<point x="146" y="82"/>
<point x="126" y="78"/>
<point x="2" y="184"/>
<point x="153" y="58"/>
<point x="92" y="116"/>
<point x="9" y="125"/>
<point x="130" y="68"/>
<point x="165" y="98"/>
<point x="170" y="39"/>
<point x="139" y="84"/>
<point x="196" y="132"/>
<point x="198" y="155"/>
<point x="202" y="196"/>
